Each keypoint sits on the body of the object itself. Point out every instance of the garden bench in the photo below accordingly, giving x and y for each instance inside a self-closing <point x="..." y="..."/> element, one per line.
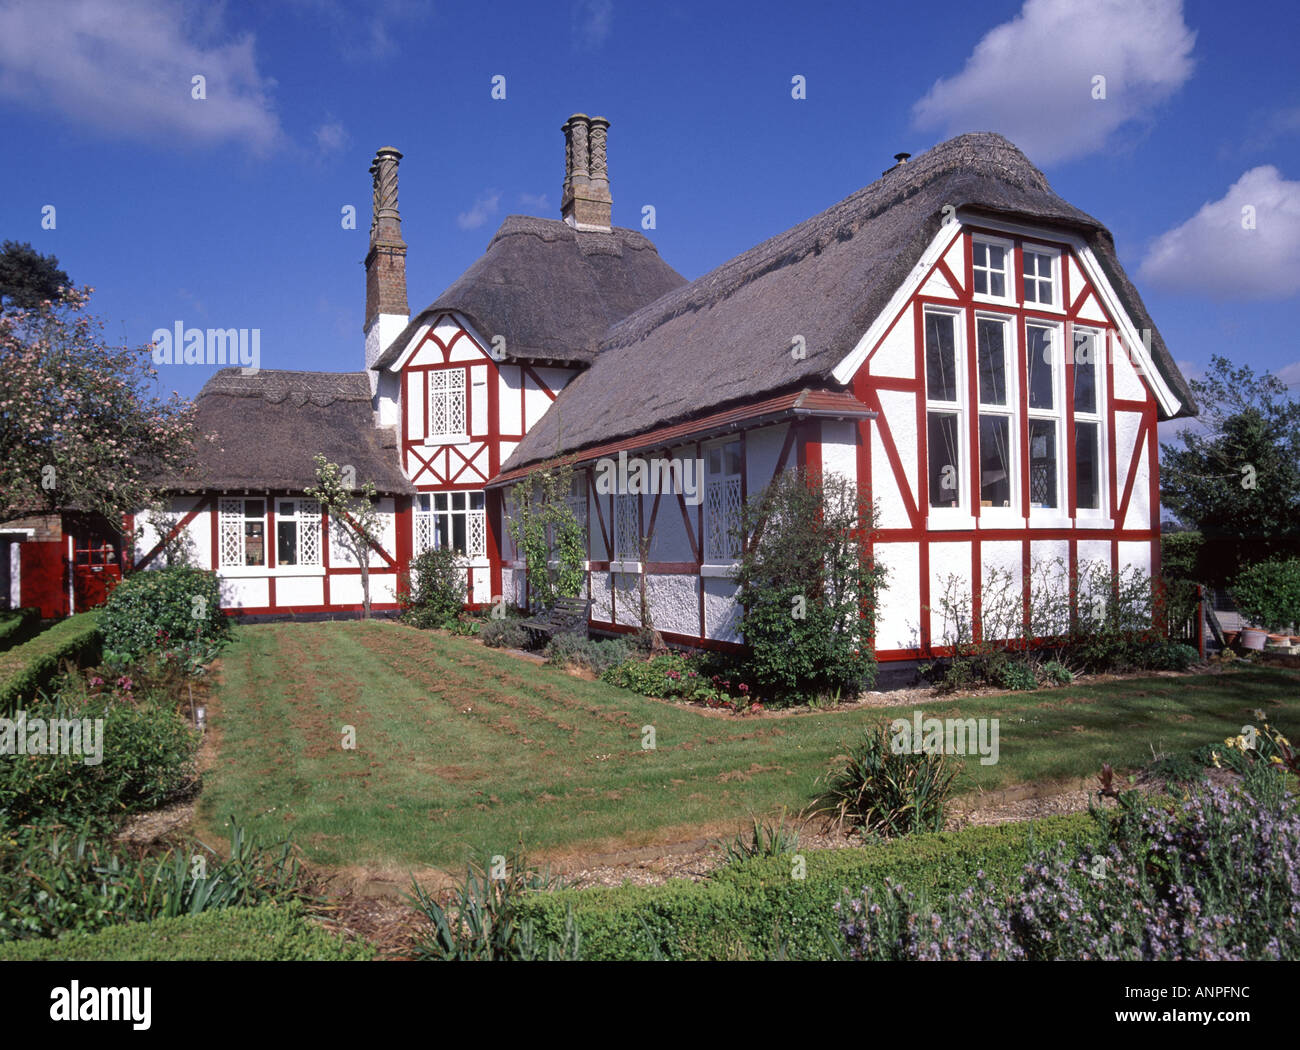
<point x="566" y="616"/>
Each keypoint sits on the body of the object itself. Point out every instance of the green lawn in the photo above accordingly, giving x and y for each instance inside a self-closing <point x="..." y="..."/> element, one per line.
<point x="465" y="751"/>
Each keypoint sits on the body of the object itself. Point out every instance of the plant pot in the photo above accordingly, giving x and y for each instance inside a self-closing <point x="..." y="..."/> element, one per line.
<point x="1251" y="638"/>
<point x="1279" y="639"/>
<point x="1230" y="638"/>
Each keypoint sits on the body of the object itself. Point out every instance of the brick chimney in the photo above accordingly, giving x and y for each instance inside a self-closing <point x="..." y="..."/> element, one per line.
<point x="386" y="310"/>
<point x="585" y="202"/>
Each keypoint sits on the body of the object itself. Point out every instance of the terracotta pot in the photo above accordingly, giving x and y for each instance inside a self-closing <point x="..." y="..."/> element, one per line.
<point x="1250" y="638"/>
<point x="1230" y="638"/>
<point x="1279" y="639"/>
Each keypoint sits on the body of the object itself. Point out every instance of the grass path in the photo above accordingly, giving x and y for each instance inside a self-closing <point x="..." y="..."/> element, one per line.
<point x="465" y="751"/>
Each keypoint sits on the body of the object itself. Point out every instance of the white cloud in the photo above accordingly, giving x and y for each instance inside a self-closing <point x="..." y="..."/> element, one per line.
<point x="592" y="21"/>
<point x="1214" y="254"/>
<point x="538" y="202"/>
<point x="126" y="68"/>
<point x="331" y="137"/>
<point x="1289" y="374"/>
<point x="1032" y="78"/>
<point x="484" y="208"/>
<point x="370" y="31"/>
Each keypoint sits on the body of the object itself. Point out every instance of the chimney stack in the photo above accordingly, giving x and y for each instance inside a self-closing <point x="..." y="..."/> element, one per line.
<point x="386" y="308"/>
<point x="585" y="202"/>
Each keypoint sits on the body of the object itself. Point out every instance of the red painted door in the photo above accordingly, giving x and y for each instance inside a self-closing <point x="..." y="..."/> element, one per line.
<point x="42" y="583"/>
<point x="96" y="570"/>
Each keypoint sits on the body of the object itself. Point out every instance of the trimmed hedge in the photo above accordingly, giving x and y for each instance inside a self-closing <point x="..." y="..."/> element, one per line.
<point x="28" y="668"/>
<point x="266" y="933"/>
<point x="17" y="625"/>
<point x="756" y="910"/>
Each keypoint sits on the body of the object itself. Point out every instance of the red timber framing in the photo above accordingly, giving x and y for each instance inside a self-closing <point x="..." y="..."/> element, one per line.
<point x="915" y="497"/>
<point x="801" y="414"/>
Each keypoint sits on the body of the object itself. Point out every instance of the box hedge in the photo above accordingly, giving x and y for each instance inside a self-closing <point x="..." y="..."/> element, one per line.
<point x="759" y="910"/>
<point x="28" y="668"/>
<point x="266" y="933"/>
<point x="17" y="625"/>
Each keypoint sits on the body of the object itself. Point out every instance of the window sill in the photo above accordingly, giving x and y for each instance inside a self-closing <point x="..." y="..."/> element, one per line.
<point x="1049" y="521"/>
<point x="446" y="439"/>
<point x="949" y="523"/>
<point x="717" y="571"/>
<point x="1094" y="523"/>
<point x="625" y="566"/>
<point x="243" y="572"/>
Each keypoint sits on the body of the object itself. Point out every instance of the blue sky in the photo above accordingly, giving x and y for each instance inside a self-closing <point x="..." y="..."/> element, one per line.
<point x="225" y="212"/>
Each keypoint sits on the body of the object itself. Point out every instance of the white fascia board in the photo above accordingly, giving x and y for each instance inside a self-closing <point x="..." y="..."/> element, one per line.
<point x="400" y="362"/>
<point x="1169" y="401"/>
<point x="934" y="251"/>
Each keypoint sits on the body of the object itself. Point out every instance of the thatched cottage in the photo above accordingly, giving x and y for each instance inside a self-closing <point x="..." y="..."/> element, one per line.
<point x="954" y="336"/>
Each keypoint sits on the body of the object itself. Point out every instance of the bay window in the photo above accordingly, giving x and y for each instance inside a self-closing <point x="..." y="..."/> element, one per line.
<point x="997" y="410"/>
<point x="1043" y="379"/>
<point x="1087" y="421"/>
<point x="944" y="398"/>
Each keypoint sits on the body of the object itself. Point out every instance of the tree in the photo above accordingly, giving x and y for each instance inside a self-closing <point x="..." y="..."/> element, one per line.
<point x="28" y="278"/>
<point x="808" y="585"/>
<point x="550" y="536"/>
<point x="1237" y="477"/>
<point x="353" y="516"/>
<point x="79" y="429"/>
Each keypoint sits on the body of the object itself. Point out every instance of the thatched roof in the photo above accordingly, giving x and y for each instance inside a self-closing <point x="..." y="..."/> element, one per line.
<point x="269" y="425"/>
<point x="550" y="290"/>
<point x="725" y="338"/>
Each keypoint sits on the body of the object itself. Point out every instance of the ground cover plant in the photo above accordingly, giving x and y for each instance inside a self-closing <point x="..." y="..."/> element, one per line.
<point x="462" y="750"/>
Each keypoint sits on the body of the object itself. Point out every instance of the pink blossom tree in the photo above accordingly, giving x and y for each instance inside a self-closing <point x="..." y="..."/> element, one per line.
<point x="80" y="428"/>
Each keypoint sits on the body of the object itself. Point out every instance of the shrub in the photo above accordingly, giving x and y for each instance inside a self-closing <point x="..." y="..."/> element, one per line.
<point x="28" y="668"/>
<point x="574" y="650"/>
<point x="1164" y="655"/>
<point x="434" y="590"/>
<point x="54" y="880"/>
<point x="1268" y="593"/>
<point x="1164" y="883"/>
<point x="651" y="677"/>
<point x="265" y="933"/>
<point x="756" y="910"/>
<point x="1056" y="672"/>
<point x="159" y="610"/>
<point x="807" y="588"/>
<point x="146" y="758"/>
<point x="17" y="625"/>
<point x="765" y="839"/>
<point x="504" y="634"/>
<point x="880" y="790"/>
<point x="483" y="924"/>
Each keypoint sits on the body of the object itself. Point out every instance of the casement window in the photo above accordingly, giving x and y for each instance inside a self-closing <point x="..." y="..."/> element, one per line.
<point x="722" y="518"/>
<point x="243" y="533"/>
<point x="627" y="528"/>
<point x="456" y="520"/>
<point x="991" y="268"/>
<point x="1088" y="430"/>
<point x="998" y="408"/>
<point x="1039" y="271"/>
<point x="447" y="404"/>
<point x="1044" y="389"/>
<point x="297" y="532"/>
<point x="945" y="401"/>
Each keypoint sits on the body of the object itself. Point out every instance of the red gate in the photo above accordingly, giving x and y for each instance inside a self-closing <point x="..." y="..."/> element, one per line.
<point x="96" y="570"/>
<point x="43" y="577"/>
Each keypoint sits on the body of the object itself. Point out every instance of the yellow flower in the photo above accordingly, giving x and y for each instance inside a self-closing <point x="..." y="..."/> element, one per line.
<point x="1214" y="757"/>
<point x="1229" y="742"/>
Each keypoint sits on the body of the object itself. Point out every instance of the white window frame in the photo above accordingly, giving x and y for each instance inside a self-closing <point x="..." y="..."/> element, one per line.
<point x="960" y="516"/>
<point x="450" y="382"/>
<point x="306" y="518"/>
<point x="1053" y="256"/>
<point x="717" y="487"/>
<point x="1010" y="516"/>
<point x="627" y="514"/>
<point x="228" y="517"/>
<point x="1008" y="269"/>
<point x="426" y="508"/>
<point x="1058" y="516"/>
<point x="1099" y="516"/>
